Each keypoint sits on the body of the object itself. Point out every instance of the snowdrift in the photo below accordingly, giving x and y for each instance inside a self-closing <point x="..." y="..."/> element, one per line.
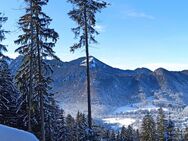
<point x="12" y="134"/>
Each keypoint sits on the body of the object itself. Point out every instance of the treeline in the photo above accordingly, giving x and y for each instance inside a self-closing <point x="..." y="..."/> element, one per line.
<point x="161" y="129"/>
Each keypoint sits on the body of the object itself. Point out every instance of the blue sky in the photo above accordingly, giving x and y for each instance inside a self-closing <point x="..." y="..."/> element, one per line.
<point x="133" y="33"/>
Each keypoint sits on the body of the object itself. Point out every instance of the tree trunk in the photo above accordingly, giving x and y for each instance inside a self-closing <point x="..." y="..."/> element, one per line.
<point x="31" y="73"/>
<point x="40" y="92"/>
<point x="88" y="70"/>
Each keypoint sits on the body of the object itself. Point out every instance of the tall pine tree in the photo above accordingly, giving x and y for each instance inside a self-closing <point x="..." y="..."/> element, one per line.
<point x="37" y="42"/>
<point x="84" y="14"/>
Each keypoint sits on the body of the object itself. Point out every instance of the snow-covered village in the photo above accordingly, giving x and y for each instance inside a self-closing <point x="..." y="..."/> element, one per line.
<point x="93" y="70"/>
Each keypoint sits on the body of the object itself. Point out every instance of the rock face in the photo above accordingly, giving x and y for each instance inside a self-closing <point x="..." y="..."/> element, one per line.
<point x="110" y="87"/>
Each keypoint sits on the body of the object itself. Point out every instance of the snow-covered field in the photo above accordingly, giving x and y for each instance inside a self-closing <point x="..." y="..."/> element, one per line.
<point x="133" y="114"/>
<point x="12" y="134"/>
<point x="129" y="115"/>
<point x="119" y="121"/>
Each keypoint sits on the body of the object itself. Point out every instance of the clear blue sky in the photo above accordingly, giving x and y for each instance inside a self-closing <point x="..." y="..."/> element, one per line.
<point x="134" y="33"/>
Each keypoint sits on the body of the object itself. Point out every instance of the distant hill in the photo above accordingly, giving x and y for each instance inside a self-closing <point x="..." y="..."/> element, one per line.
<point x="110" y="87"/>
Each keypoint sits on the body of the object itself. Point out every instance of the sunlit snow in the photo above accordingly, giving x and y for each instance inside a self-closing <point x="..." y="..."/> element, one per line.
<point x="91" y="61"/>
<point x="120" y="121"/>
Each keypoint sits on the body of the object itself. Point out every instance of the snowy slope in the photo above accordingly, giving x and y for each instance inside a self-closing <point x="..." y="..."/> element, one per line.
<point x="12" y="134"/>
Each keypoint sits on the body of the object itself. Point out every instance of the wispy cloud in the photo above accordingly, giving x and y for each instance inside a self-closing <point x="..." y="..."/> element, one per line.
<point x="137" y="14"/>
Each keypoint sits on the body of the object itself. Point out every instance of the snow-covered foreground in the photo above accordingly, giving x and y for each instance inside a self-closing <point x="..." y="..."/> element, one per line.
<point x="12" y="134"/>
<point x="119" y="121"/>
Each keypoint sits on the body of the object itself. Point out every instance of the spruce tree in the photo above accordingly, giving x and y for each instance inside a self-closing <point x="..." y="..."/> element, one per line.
<point x="37" y="42"/>
<point x="148" y="132"/>
<point x="178" y="135"/>
<point x="160" y="125"/>
<point x="130" y="133"/>
<point x="8" y="92"/>
<point x="118" y="137"/>
<point x="8" y="96"/>
<point x="186" y="134"/>
<point x="124" y="135"/>
<point x="84" y="14"/>
<point x="136" y="136"/>
<point x="107" y="135"/>
<point x="170" y="130"/>
<point x="22" y="111"/>
<point x="61" y="127"/>
<point x="70" y="128"/>
<point x="112" y="136"/>
<point x="52" y="121"/>
<point x="81" y="127"/>
<point x="3" y="48"/>
<point x="25" y="73"/>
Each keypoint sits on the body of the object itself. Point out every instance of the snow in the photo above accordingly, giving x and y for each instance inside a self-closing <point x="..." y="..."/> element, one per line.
<point x="120" y="121"/>
<point x="12" y="134"/>
<point x="91" y="61"/>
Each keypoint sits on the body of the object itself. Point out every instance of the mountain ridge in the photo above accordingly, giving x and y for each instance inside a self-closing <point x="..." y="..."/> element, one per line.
<point x="110" y="87"/>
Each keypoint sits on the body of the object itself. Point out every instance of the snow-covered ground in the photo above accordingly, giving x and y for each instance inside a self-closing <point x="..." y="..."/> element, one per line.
<point x="119" y="121"/>
<point x="12" y="134"/>
<point x="132" y="114"/>
<point x="91" y="61"/>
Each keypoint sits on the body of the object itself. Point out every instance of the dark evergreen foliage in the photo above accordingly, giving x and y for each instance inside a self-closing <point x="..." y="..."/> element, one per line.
<point x="3" y="48"/>
<point x="160" y="125"/>
<point x="170" y="135"/>
<point x="37" y="42"/>
<point x="8" y="92"/>
<point x="148" y="132"/>
<point x="61" y="127"/>
<point x="8" y="96"/>
<point x="186" y="134"/>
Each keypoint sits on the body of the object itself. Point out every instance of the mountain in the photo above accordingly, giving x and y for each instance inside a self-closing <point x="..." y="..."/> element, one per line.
<point x="110" y="87"/>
